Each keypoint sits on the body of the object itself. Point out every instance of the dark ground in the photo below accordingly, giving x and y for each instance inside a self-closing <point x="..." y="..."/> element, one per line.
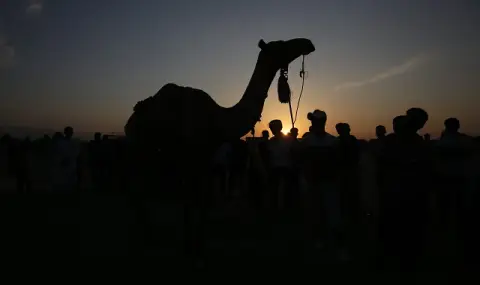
<point x="105" y="224"/>
<point x="88" y="224"/>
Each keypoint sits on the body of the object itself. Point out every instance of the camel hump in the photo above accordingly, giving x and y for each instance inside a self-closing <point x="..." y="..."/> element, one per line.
<point x="179" y="91"/>
<point x="167" y="88"/>
<point x="142" y="104"/>
<point x="168" y="92"/>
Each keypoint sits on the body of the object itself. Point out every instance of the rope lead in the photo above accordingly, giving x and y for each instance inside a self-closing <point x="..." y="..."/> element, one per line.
<point x="284" y="93"/>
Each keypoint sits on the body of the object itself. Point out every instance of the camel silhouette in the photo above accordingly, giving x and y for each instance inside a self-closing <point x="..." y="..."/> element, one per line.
<point x="187" y="114"/>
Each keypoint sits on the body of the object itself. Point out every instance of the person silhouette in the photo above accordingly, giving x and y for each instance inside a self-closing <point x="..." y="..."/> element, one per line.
<point x="318" y="120"/>
<point x="407" y="168"/>
<point x="417" y="118"/>
<point x="276" y="127"/>
<point x="67" y="152"/>
<point x="452" y="127"/>
<point x="348" y="159"/>
<point x="380" y="132"/>
<point x="376" y="145"/>
<point x="453" y="154"/>
<point x="97" y="162"/>
<point x="265" y="135"/>
<point x="263" y="146"/>
<point x="279" y="165"/>
<point x="259" y="165"/>
<point x="347" y="146"/>
<point x="293" y="197"/>
<point x="399" y="125"/>
<point x="57" y="136"/>
<point x="68" y="133"/>
<point x="340" y="128"/>
<point x="319" y="159"/>
<point x="293" y="133"/>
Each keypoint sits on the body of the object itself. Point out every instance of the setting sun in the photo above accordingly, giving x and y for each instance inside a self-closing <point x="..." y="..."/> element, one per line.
<point x="285" y="132"/>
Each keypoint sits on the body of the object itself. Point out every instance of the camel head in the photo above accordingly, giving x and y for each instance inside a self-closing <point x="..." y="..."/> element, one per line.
<point x="279" y="54"/>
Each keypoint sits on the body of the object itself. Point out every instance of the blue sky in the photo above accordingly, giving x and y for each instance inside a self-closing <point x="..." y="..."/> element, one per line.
<point x="86" y="63"/>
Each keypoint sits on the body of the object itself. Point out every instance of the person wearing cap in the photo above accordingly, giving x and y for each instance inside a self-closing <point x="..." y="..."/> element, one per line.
<point x="319" y="165"/>
<point x="318" y="120"/>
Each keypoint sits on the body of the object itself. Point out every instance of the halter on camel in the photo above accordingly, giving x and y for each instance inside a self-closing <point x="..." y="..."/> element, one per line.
<point x="284" y="93"/>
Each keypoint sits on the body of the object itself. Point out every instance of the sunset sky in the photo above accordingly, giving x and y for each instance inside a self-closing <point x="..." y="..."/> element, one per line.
<point x="86" y="63"/>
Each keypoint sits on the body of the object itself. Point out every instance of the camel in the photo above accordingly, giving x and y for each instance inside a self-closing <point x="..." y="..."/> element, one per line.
<point x="187" y="126"/>
<point x="178" y="115"/>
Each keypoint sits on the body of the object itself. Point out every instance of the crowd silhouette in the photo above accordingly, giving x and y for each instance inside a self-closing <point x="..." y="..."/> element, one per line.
<point x="390" y="196"/>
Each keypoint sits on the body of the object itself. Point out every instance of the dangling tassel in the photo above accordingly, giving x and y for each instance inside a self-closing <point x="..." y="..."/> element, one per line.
<point x="283" y="88"/>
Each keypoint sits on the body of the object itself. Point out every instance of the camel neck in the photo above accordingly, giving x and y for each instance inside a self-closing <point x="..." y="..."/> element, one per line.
<point x="244" y="115"/>
<point x="260" y="82"/>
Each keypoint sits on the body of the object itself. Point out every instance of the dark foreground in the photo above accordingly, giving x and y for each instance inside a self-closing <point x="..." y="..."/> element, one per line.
<point x="89" y="224"/>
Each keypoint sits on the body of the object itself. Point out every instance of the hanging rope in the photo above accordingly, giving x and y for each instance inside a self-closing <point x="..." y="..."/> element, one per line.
<point x="302" y="75"/>
<point x="284" y="93"/>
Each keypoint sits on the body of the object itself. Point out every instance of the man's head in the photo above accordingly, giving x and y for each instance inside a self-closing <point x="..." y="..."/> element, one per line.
<point x="380" y="131"/>
<point x="399" y="124"/>
<point x="318" y="118"/>
<point x="276" y="127"/>
<point x="343" y="129"/>
<point x="452" y="125"/>
<point x="294" y="133"/>
<point x="265" y="134"/>
<point x="57" y="136"/>
<point x="417" y="118"/>
<point x="98" y="137"/>
<point x="68" y="131"/>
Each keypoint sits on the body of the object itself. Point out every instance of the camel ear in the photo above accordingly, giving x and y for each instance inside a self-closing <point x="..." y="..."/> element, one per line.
<point x="262" y="44"/>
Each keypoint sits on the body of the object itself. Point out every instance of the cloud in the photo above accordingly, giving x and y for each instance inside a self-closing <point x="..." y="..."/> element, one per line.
<point x="35" y="7"/>
<point x="403" y="68"/>
<point x="8" y="58"/>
